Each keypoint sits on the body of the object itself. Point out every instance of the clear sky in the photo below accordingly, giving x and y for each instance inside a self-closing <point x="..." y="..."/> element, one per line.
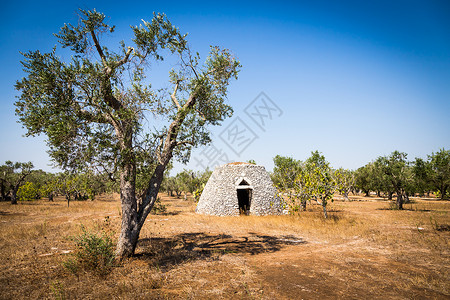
<point x="352" y="79"/>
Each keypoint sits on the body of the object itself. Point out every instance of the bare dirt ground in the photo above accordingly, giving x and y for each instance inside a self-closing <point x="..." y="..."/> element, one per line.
<point x="362" y="251"/>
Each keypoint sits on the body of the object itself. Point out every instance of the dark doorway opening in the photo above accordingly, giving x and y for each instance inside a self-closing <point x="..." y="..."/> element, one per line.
<point x="244" y="200"/>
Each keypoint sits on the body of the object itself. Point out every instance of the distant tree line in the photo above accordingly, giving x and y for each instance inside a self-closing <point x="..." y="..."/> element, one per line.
<point x="19" y="182"/>
<point x="315" y="180"/>
<point x="184" y="182"/>
<point x="298" y="182"/>
<point x="394" y="174"/>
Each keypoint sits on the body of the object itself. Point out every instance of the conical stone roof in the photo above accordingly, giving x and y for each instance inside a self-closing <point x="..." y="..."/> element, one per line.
<point x="239" y="188"/>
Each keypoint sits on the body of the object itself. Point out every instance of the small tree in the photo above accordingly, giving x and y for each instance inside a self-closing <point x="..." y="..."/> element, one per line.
<point x="284" y="176"/>
<point x="421" y="171"/>
<point x="439" y="171"/>
<point x="67" y="186"/>
<point x="313" y="181"/>
<point x="199" y="182"/>
<point x="363" y="180"/>
<point x="395" y="168"/>
<point x="318" y="180"/>
<point x="344" y="181"/>
<point x="378" y="180"/>
<point x="186" y="181"/>
<point x="49" y="188"/>
<point x="285" y="171"/>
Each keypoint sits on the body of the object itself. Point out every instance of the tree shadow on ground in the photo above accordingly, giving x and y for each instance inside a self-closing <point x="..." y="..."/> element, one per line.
<point x="166" y="253"/>
<point x="167" y="213"/>
<point x="8" y="213"/>
<point x="404" y="209"/>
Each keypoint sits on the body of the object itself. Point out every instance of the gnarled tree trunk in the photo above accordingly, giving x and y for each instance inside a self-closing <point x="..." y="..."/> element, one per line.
<point x="129" y="234"/>
<point x="133" y="216"/>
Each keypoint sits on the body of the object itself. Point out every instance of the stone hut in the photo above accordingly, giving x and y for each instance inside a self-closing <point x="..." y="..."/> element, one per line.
<point x="239" y="188"/>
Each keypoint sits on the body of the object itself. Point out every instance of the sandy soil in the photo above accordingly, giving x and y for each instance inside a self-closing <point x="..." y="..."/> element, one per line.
<point x="363" y="250"/>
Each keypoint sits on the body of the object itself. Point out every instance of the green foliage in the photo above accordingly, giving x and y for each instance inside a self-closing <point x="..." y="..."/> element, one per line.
<point x="422" y="171"/>
<point x="363" y="180"/>
<point x="78" y="186"/>
<point x="12" y="175"/>
<point x="57" y="289"/>
<point x="301" y="182"/>
<point x="344" y="181"/>
<point x="187" y="181"/>
<point x="95" y="252"/>
<point x="79" y="104"/>
<point x="198" y="192"/>
<point x="159" y="208"/>
<point x="317" y="180"/>
<point x="439" y="171"/>
<point x="398" y="174"/>
<point x="285" y="171"/>
<point x="28" y="192"/>
<point x="198" y="184"/>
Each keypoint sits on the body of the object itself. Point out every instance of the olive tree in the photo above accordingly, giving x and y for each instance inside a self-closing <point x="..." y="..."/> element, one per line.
<point x="13" y="175"/>
<point x="363" y="180"/>
<point x="311" y="180"/>
<point x="285" y="171"/>
<point x="439" y="171"/>
<point x="98" y="109"/>
<point x="318" y="180"/>
<point x="285" y="177"/>
<point x="345" y="181"/>
<point x="395" y="167"/>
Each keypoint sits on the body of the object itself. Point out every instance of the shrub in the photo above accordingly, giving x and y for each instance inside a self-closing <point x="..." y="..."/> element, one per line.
<point x="28" y="192"/>
<point x="393" y="205"/>
<point x="198" y="192"/>
<point x="158" y="207"/>
<point x="95" y="252"/>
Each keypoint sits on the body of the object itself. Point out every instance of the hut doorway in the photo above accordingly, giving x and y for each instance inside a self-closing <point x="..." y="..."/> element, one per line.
<point x="244" y="195"/>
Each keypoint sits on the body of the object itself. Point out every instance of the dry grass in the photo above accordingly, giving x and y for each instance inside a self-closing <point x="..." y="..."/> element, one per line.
<point x="363" y="250"/>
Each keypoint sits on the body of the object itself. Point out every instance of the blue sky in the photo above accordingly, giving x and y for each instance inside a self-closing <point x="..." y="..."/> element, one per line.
<point x="353" y="79"/>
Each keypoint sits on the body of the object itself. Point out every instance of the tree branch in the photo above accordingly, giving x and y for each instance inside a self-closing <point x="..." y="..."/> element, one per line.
<point x="125" y="58"/>
<point x="99" y="50"/>
<point x="158" y="149"/>
<point x="108" y="94"/>
<point x="191" y="101"/>
<point x="106" y="85"/>
<point x="190" y="65"/>
<point x="174" y="99"/>
<point x="201" y="115"/>
<point x="100" y="119"/>
<point x="184" y="143"/>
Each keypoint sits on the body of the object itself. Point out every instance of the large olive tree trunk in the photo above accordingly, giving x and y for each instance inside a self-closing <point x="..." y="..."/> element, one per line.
<point x="134" y="215"/>
<point x="129" y="233"/>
